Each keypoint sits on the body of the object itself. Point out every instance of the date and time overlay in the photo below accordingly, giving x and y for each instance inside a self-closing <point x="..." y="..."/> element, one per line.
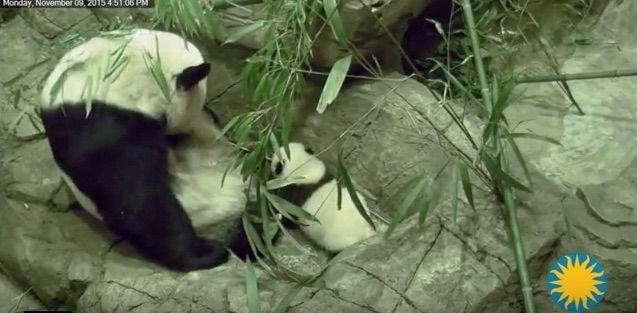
<point x="77" y="3"/>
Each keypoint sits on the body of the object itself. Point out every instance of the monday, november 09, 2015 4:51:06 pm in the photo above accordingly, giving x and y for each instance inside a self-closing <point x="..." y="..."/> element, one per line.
<point x="76" y="3"/>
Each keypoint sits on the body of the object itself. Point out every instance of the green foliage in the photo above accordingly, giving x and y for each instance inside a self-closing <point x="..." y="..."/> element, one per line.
<point x="334" y="82"/>
<point x="501" y="26"/>
<point x="153" y="65"/>
<point x="421" y="188"/>
<point x="244" y="31"/>
<point x="345" y="179"/>
<point x="274" y="78"/>
<point x="334" y="20"/>
<point x="285" y="302"/>
<point x="252" y="289"/>
<point x="192" y="17"/>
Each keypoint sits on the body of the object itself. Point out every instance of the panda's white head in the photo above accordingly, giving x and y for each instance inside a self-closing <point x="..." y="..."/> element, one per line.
<point x="301" y="165"/>
<point x="117" y="68"/>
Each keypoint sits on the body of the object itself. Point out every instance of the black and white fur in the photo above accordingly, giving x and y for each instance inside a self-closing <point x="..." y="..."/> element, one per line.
<point x="314" y="190"/>
<point x="117" y="158"/>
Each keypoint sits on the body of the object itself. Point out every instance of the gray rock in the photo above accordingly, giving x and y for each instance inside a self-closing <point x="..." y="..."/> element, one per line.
<point x="598" y="152"/>
<point x="15" y="299"/>
<point x="365" y="23"/>
<point x="390" y="130"/>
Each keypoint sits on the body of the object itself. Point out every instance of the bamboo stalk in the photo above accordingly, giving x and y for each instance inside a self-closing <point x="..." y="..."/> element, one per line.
<point x="477" y="57"/>
<point x="518" y="249"/>
<point x="556" y="69"/>
<point x="507" y="192"/>
<point x="578" y="76"/>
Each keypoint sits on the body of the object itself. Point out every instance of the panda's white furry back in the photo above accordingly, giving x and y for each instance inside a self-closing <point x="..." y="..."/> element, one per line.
<point x="115" y="153"/>
<point x="115" y="69"/>
<point x="315" y="191"/>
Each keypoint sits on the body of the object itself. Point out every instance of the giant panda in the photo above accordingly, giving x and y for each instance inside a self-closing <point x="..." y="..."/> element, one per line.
<point x="313" y="189"/>
<point x="109" y="127"/>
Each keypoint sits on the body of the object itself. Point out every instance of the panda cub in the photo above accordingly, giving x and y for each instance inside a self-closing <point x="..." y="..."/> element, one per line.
<point x="109" y="127"/>
<point x="315" y="191"/>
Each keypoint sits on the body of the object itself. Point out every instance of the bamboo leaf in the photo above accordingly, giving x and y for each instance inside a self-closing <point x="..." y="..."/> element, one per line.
<point x="117" y="60"/>
<point x="285" y="206"/>
<point x="425" y="200"/>
<point x="87" y="94"/>
<point x="58" y="86"/>
<point x="250" y="162"/>
<point x="334" y="83"/>
<point x="278" y="183"/>
<point x="339" y="188"/>
<point x="231" y="123"/>
<point x="531" y="136"/>
<point x="438" y="27"/>
<point x="466" y="182"/>
<point x="283" y="305"/>
<point x="154" y="68"/>
<point x="286" y="128"/>
<point x="243" y="130"/>
<point x="496" y="171"/>
<point x="255" y="240"/>
<point x="275" y="146"/>
<point x="518" y="155"/>
<point x="407" y="203"/>
<point x="352" y="192"/>
<point x="269" y="228"/>
<point x="339" y="194"/>
<point x="244" y="31"/>
<point x="455" y="181"/>
<point x="252" y="289"/>
<point x="335" y="21"/>
<point x="501" y="100"/>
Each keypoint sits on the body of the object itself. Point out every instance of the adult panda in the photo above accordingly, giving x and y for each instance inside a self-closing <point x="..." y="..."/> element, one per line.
<point x="109" y="123"/>
<point x="314" y="190"/>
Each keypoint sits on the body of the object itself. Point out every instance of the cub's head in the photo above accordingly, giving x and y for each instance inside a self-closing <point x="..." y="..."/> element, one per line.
<point x="301" y="165"/>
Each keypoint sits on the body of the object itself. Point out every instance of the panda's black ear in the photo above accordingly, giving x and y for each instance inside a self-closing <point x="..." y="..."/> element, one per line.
<point x="309" y="150"/>
<point x="192" y="75"/>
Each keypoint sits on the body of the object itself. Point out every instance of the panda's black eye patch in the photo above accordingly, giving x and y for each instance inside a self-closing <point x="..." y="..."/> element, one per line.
<point x="309" y="150"/>
<point x="278" y="168"/>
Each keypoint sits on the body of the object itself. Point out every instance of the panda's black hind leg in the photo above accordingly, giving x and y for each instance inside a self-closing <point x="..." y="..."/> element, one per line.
<point x="119" y="160"/>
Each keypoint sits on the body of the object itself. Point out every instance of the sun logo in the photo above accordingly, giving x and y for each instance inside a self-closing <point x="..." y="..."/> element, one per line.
<point x="576" y="282"/>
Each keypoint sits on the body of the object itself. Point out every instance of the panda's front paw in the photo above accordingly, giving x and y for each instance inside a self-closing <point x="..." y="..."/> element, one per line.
<point x="240" y="244"/>
<point x="212" y="251"/>
<point x="204" y="254"/>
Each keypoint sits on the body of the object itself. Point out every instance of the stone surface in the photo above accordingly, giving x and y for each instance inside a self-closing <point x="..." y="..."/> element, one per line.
<point x="596" y="163"/>
<point x="13" y="298"/>
<point x="390" y="131"/>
